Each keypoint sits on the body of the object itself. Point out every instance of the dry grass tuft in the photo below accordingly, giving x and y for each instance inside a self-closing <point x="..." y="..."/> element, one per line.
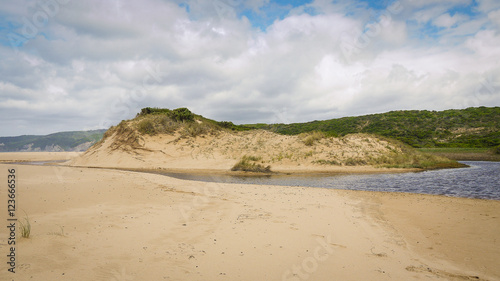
<point x="310" y="138"/>
<point x="247" y="164"/>
<point x="25" y="227"/>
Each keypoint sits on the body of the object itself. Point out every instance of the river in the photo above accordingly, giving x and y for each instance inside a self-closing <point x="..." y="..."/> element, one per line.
<point x="480" y="180"/>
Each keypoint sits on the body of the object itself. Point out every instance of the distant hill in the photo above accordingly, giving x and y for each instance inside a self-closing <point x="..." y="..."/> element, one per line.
<point x="65" y="141"/>
<point x="471" y="127"/>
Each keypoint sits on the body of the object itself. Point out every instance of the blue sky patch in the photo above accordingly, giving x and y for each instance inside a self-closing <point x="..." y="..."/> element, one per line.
<point x="275" y="10"/>
<point x="185" y="6"/>
<point x="377" y="5"/>
<point x="469" y="10"/>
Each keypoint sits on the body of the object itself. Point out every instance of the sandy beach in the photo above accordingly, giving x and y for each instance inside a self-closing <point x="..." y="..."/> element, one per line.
<point x="36" y="156"/>
<point x="104" y="224"/>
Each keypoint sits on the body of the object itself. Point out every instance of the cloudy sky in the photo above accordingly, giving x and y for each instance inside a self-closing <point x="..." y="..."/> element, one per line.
<point x="77" y="65"/>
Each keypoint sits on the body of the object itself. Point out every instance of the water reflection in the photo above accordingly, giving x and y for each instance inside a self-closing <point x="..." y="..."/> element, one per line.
<point x="480" y="180"/>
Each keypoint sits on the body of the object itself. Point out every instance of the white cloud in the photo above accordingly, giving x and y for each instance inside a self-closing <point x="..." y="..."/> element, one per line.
<point x="88" y="65"/>
<point x="485" y="44"/>
<point x="494" y="16"/>
<point x="488" y="5"/>
<point x="445" y="20"/>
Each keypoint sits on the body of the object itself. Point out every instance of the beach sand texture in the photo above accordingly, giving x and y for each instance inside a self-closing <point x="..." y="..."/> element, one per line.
<point x="102" y="224"/>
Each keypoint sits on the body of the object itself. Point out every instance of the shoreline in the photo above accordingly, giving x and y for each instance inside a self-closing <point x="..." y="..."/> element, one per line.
<point x="36" y="156"/>
<point x="280" y="172"/>
<point x="216" y="172"/>
<point x="280" y="169"/>
<point x="199" y="174"/>
<point x="464" y="154"/>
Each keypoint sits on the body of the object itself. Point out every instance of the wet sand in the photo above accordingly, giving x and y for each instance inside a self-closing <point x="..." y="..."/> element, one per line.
<point x="99" y="224"/>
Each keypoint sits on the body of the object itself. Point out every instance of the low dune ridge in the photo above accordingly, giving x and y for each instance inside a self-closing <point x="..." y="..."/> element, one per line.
<point x="158" y="142"/>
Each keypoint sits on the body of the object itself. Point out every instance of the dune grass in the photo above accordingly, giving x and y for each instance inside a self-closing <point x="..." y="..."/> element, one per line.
<point x="310" y="138"/>
<point x="408" y="157"/>
<point x="25" y="227"/>
<point x="327" y="162"/>
<point x="247" y="164"/>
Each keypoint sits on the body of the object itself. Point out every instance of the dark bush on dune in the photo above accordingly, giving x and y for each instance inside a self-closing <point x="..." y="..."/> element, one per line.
<point x="179" y="114"/>
<point x="182" y="114"/>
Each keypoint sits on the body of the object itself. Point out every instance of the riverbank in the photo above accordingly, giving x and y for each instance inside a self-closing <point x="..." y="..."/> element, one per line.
<point x="463" y="154"/>
<point x="99" y="224"/>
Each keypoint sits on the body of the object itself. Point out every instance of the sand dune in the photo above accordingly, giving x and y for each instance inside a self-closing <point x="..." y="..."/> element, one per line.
<point x="98" y="224"/>
<point x="220" y="150"/>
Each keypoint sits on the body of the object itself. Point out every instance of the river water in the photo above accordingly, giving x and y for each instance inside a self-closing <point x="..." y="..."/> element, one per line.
<point x="480" y="180"/>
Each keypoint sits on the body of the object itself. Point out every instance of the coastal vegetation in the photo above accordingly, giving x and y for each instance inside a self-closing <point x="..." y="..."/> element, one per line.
<point x="153" y="121"/>
<point x="460" y="128"/>
<point x="464" y="153"/>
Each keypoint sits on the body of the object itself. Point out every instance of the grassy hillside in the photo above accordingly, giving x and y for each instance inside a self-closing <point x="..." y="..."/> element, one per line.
<point x="471" y="127"/>
<point x="65" y="141"/>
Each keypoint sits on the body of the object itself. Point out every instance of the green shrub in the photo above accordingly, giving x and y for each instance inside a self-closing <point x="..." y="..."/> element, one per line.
<point x="153" y="110"/>
<point x="181" y="115"/>
<point x="226" y="125"/>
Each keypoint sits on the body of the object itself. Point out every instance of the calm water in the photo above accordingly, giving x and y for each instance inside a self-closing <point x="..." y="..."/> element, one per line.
<point x="481" y="180"/>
